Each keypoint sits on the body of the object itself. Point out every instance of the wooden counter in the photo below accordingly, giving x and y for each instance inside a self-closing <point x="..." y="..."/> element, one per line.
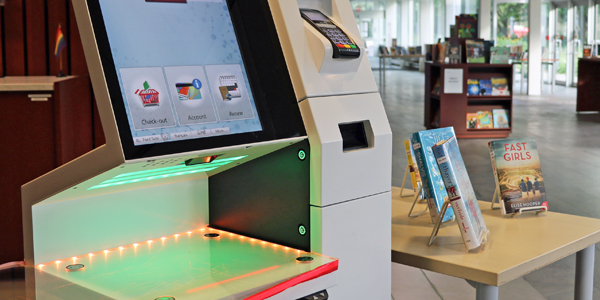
<point x="30" y="83"/>
<point x="588" y="94"/>
<point x="46" y="121"/>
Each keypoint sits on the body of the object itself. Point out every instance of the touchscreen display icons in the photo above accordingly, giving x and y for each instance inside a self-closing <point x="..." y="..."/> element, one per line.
<point x="189" y="90"/>
<point x="234" y="103"/>
<point x="191" y="96"/>
<point x="188" y="100"/>
<point x="147" y="98"/>
<point x="229" y="87"/>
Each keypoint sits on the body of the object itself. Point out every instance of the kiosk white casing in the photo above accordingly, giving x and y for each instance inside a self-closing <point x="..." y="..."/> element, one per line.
<point x="350" y="191"/>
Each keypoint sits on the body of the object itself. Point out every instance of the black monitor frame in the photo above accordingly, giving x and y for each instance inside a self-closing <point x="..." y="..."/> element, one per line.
<point x="268" y="77"/>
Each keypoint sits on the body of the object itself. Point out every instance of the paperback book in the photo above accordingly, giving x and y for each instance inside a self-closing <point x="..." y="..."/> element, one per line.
<point x="499" y="55"/>
<point x="473" y="87"/>
<point x="485" y="87"/>
<point x="500" y="86"/>
<point x="454" y="54"/>
<point x="587" y="51"/>
<point x="500" y="118"/>
<point x="436" y="88"/>
<point x="466" y="26"/>
<point x="475" y="51"/>
<point x="471" y="120"/>
<point x="518" y="174"/>
<point x="412" y="167"/>
<point x="431" y="178"/>
<point x="461" y="194"/>
<point x="485" y="120"/>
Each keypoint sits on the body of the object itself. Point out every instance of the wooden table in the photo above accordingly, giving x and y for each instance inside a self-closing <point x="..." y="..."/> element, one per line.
<point x="382" y="58"/>
<point x="516" y="246"/>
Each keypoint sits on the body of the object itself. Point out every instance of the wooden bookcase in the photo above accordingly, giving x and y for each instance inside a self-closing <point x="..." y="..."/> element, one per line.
<point x="453" y="108"/>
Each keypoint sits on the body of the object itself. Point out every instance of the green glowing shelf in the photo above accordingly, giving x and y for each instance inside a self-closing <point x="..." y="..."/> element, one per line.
<point x="185" y="266"/>
<point x="166" y="172"/>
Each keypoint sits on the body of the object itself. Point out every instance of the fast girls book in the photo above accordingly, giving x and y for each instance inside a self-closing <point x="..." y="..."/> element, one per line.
<point x="518" y="174"/>
<point x="431" y="178"/>
<point x="461" y="193"/>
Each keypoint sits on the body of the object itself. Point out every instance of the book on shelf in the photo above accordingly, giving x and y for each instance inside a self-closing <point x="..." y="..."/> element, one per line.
<point x="437" y="88"/>
<point x="487" y="45"/>
<point x="475" y="51"/>
<point x="471" y="120"/>
<point x="587" y="51"/>
<point x="500" y="118"/>
<point x="431" y="179"/>
<point x="460" y="193"/>
<point x="442" y="52"/>
<point x="516" y="52"/>
<point x="473" y="87"/>
<point x="453" y="32"/>
<point x="466" y="26"/>
<point x="485" y="120"/>
<point x="499" y="55"/>
<point x="435" y="122"/>
<point x="485" y="87"/>
<point x="454" y="56"/>
<point x="500" y="86"/>
<point x="518" y="174"/>
<point x="412" y="167"/>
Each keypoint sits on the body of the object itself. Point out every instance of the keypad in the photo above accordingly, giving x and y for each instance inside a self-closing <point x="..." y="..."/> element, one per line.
<point x="339" y="38"/>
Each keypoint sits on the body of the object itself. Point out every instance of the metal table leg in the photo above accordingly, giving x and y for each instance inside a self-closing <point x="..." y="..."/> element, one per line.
<point x="584" y="274"/>
<point x="553" y="76"/>
<point x="486" y="292"/>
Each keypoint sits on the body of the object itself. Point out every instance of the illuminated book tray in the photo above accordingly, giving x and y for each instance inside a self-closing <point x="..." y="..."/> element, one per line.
<point x="188" y="265"/>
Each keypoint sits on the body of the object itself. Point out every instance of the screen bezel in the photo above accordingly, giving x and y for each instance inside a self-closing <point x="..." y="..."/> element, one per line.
<point x="271" y="86"/>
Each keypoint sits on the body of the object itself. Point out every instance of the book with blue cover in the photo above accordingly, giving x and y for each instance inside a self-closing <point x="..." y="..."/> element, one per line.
<point x="461" y="193"/>
<point x="473" y="87"/>
<point x="431" y="178"/>
<point x="485" y="87"/>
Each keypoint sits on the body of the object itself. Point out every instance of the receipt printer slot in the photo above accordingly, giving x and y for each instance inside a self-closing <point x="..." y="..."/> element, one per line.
<point x="354" y="136"/>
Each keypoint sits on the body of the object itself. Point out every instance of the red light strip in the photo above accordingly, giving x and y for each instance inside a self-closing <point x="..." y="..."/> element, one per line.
<point x="231" y="279"/>
<point x="318" y="272"/>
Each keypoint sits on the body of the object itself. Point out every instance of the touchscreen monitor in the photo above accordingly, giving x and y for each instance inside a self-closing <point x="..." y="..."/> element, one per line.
<point x="180" y="69"/>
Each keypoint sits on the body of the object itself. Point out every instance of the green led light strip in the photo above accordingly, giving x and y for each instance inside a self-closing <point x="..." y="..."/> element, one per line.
<point x="166" y="172"/>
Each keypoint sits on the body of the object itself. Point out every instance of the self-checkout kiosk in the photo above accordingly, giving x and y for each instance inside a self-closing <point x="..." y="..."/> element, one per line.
<point x="247" y="156"/>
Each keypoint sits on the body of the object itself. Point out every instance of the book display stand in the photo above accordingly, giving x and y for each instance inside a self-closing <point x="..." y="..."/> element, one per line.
<point x="450" y="103"/>
<point x="410" y="214"/>
<point x="436" y="227"/>
<point x="420" y="184"/>
<point x="496" y="200"/>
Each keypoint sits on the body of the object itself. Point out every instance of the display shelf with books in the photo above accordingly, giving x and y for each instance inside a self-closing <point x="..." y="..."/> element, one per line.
<point x="484" y="89"/>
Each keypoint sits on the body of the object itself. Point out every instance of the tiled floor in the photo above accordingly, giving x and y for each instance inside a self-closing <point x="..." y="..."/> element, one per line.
<point x="569" y="146"/>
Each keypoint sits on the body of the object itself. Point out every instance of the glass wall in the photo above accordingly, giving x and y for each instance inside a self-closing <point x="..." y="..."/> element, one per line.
<point x="561" y="44"/>
<point x="598" y="21"/>
<point x="512" y="28"/>
<point x="381" y="21"/>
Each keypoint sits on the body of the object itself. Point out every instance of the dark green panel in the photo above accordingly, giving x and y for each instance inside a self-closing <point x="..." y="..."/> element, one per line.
<point x="267" y="198"/>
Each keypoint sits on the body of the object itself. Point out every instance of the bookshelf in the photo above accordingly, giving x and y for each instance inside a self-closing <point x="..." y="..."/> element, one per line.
<point x="453" y="108"/>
